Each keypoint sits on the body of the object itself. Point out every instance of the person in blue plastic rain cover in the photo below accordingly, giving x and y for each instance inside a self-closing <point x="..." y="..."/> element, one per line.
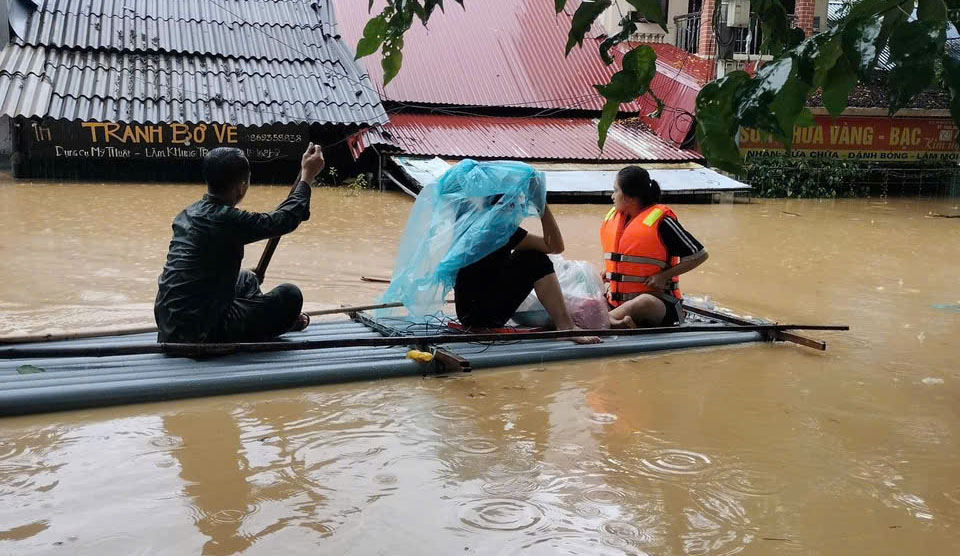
<point x="464" y="234"/>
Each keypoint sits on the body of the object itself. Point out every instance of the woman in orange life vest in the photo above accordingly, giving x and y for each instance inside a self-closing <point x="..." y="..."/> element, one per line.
<point x="645" y="250"/>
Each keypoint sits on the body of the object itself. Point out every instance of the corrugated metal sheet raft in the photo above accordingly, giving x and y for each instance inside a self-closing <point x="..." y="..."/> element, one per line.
<point x="76" y="382"/>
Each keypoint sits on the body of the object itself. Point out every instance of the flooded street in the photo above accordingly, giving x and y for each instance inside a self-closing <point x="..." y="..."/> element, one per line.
<point x="757" y="449"/>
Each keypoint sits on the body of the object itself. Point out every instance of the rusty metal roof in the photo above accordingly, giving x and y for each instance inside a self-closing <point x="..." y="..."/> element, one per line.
<point x="250" y="63"/>
<point x="492" y="53"/>
<point x="532" y="138"/>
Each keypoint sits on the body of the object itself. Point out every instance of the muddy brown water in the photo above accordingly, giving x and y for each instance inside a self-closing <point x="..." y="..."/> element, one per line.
<point x="760" y="449"/>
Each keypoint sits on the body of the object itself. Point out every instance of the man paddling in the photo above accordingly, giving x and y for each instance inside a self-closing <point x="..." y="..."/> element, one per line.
<point x="203" y="294"/>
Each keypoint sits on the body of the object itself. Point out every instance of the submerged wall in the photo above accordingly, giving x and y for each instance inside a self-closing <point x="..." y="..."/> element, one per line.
<point x="6" y="141"/>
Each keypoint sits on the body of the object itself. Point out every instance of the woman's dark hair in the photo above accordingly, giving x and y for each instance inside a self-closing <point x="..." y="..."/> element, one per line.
<point x="635" y="183"/>
<point x="225" y="168"/>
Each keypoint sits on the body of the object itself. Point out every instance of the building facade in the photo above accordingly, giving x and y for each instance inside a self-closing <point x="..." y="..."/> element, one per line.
<point x="114" y="89"/>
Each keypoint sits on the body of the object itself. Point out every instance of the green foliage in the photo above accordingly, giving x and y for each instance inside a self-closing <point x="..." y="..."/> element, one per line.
<point x="632" y="82"/>
<point x="774" y="98"/>
<point x="358" y="184"/>
<point x="715" y="106"/>
<point x="583" y="18"/>
<point x="782" y="176"/>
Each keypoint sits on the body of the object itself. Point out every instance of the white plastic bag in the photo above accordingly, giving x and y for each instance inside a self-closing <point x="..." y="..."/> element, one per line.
<point x="582" y="294"/>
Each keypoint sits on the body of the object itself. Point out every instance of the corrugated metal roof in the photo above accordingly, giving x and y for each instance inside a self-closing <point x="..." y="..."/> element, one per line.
<point x="494" y="53"/>
<point x="151" y="76"/>
<point x="271" y="29"/>
<point x="534" y="138"/>
<point x="258" y="12"/>
<point x="125" y="87"/>
<point x="680" y="75"/>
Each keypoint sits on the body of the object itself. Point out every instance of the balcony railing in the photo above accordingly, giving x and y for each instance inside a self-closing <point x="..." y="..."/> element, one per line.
<point x="688" y="32"/>
<point x="736" y="39"/>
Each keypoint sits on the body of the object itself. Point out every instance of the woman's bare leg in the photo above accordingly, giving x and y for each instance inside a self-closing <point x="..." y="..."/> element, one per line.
<point x="644" y="310"/>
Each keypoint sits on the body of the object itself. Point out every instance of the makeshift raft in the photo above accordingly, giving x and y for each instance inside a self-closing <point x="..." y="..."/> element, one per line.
<point x="50" y="381"/>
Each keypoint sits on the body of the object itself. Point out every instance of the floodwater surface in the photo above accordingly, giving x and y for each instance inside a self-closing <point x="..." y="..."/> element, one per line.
<point x="757" y="449"/>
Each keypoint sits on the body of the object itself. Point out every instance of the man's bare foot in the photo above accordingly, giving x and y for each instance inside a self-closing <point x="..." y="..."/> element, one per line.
<point x="303" y="321"/>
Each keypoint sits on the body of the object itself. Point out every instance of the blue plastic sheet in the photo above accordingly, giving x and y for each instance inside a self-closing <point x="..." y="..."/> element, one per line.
<point x="468" y="213"/>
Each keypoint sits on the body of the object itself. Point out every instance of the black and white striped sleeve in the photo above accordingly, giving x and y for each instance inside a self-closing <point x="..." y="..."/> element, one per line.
<point x="679" y="242"/>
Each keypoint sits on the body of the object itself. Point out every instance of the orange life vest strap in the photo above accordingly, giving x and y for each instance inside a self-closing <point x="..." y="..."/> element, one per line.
<point x="621" y="258"/>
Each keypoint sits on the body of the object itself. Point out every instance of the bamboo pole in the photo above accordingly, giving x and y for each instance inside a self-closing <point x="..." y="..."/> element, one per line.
<point x="261" y="270"/>
<point x="209" y="350"/>
<point x="102" y="333"/>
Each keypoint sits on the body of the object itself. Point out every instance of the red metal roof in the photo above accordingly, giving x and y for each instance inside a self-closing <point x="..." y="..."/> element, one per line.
<point x="532" y="138"/>
<point x="680" y="75"/>
<point x="493" y="53"/>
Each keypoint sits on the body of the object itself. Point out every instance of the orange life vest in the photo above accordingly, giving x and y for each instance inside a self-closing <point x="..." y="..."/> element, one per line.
<point x="632" y="251"/>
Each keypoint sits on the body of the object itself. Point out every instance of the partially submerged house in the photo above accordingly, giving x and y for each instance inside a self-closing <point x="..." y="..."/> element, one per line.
<point x="491" y="82"/>
<point x="121" y="88"/>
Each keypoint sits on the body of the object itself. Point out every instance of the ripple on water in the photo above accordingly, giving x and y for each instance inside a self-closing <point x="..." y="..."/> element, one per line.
<point x="569" y="449"/>
<point x="454" y="412"/>
<point x="603" y="418"/>
<point x="953" y="495"/>
<point x="552" y="544"/>
<point x="753" y="481"/>
<point x="876" y="470"/>
<point x="603" y="495"/>
<point x="312" y="463"/>
<point x="8" y="450"/>
<point x="516" y="466"/>
<point x="667" y="463"/>
<point x="712" y="509"/>
<point x="474" y="445"/>
<point x="512" y="486"/>
<point x="385" y="478"/>
<point x="166" y="442"/>
<point x="226" y="515"/>
<point x="501" y="514"/>
<point x="915" y="505"/>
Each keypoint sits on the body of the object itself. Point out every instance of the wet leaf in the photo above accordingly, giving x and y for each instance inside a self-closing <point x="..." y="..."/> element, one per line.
<point x="805" y="118"/>
<point x="827" y="50"/>
<point x="869" y="8"/>
<point x="658" y="111"/>
<point x="839" y="83"/>
<point x="716" y="126"/>
<point x="932" y="11"/>
<point x="29" y="369"/>
<point x="373" y="34"/>
<point x="651" y="10"/>
<point x="392" y="61"/>
<point x="639" y="67"/>
<point x="862" y="39"/>
<point x="788" y="106"/>
<point x="767" y="102"/>
<point x="606" y="119"/>
<point x="914" y="47"/>
<point x="628" y="26"/>
<point x="583" y="18"/>
<point x="777" y="33"/>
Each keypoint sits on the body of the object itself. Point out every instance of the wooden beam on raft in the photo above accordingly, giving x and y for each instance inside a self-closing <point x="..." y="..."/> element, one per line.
<point x="214" y="350"/>
<point x="780" y="335"/>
